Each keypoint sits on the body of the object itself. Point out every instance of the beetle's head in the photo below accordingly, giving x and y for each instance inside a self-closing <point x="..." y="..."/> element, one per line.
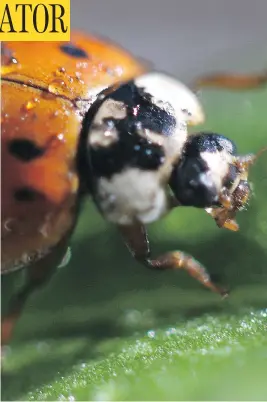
<point x="210" y="174"/>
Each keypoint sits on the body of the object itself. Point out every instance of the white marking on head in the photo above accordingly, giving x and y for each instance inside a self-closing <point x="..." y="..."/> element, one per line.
<point x="218" y="163"/>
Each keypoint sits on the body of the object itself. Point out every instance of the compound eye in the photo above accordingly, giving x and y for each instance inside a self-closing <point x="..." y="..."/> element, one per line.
<point x="193" y="184"/>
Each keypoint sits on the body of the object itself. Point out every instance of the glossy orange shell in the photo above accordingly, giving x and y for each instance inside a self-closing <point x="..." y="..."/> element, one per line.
<point x="45" y="94"/>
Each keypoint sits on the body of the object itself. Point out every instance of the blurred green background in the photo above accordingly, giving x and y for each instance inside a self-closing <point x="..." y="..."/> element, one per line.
<point x="105" y="328"/>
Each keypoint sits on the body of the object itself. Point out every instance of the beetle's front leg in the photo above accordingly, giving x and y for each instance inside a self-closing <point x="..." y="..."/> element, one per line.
<point x="136" y="239"/>
<point x="231" y="81"/>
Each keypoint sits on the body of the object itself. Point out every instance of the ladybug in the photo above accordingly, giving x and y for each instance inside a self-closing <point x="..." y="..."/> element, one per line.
<point x="85" y="118"/>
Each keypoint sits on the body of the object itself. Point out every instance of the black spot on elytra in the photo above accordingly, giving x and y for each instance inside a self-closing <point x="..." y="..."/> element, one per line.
<point x="25" y="150"/>
<point x="26" y="194"/>
<point x="74" y="51"/>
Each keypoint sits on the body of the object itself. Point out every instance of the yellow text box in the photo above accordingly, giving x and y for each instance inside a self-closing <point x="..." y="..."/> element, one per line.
<point x="47" y="20"/>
